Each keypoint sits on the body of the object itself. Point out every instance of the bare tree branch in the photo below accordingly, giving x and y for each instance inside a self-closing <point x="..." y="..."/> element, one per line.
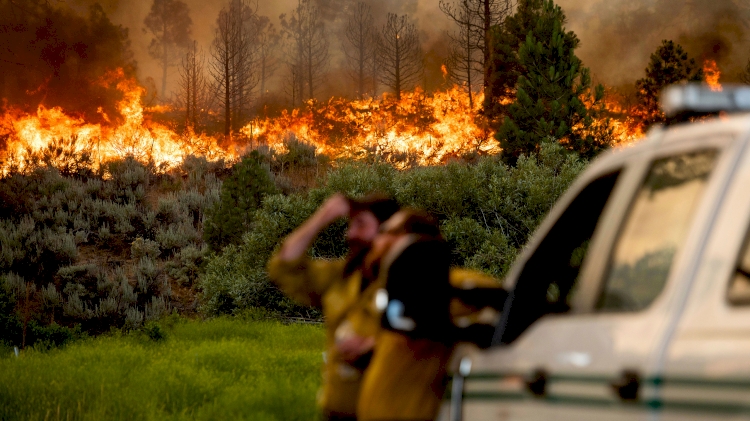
<point x="470" y="49"/>
<point x="400" y="54"/>
<point x="234" y="61"/>
<point x="360" y="48"/>
<point x="307" y="51"/>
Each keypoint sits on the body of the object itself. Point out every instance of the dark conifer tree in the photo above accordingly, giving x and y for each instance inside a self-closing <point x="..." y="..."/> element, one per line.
<point x="550" y="92"/>
<point x="503" y="66"/>
<point x="669" y="64"/>
<point x="241" y="195"/>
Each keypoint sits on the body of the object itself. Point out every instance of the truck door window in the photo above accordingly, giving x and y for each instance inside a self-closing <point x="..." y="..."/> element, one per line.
<point x="739" y="287"/>
<point x="548" y="279"/>
<point x="654" y="230"/>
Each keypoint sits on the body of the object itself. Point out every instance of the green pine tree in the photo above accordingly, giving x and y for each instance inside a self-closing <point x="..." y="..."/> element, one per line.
<point x="550" y="93"/>
<point x="241" y="194"/>
<point x="505" y="67"/>
<point x="669" y="65"/>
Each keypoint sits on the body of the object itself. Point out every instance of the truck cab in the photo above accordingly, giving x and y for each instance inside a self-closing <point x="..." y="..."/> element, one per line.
<point x="632" y="299"/>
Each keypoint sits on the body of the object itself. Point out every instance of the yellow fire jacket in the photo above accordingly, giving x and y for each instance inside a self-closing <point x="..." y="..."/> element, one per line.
<point x="406" y="379"/>
<point x="348" y="309"/>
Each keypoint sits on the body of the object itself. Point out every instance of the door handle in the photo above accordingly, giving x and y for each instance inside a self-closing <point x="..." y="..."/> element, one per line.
<point x="627" y="386"/>
<point x="537" y="383"/>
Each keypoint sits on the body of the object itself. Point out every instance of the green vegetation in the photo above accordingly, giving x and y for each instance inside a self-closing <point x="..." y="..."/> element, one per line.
<point x="88" y="248"/>
<point x="123" y="246"/>
<point x="551" y="90"/>
<point x="241" y="194"/>
<point x="225" y="368"/>
<point x="487" y="211"/>
<point x="94" y="250"/>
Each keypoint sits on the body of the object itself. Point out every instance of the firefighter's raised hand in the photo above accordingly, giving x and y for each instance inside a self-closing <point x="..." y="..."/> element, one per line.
<point x="336" y="206"/>
<point x="294" y="247"/>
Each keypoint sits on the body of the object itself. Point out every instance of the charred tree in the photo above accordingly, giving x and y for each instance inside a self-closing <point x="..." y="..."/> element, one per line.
<point x="465" y="64"/>
<point x="194" y="86"/>
<point x="268" y="41"/>
<point x="170" y="25"/>
<point x="307" y="55"/>
<point x="400" y="54"/>
<point x="233" y="62"/>
<point x="472" y="43"/>
<point x="360" y="48"/>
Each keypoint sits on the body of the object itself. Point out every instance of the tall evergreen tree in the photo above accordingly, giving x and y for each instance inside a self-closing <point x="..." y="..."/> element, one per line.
<point x="668" y="65"/>
<point x="503" y="63"/>
<point x="550" y="92"/>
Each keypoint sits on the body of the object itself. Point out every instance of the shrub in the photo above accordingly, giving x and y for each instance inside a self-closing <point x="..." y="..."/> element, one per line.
<point x="126" y="176"/>
<point x="241" y="194"/>
<point x="357" y="179"/>
<point x="144" y="248"/>
<point x="154" y="332"/>
<point x="186" y="264"/>
<point x="10" y="325"/>
<point x="465" y="236"/>
<point x="175" y="237"/>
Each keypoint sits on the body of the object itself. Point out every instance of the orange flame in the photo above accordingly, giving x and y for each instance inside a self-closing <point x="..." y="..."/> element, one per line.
<point x="429" y="129"/>
<point x="419" y="129"/>
<point x="444" y="70"/>
<point x="712" y="73"/>
<point x="135" y="136"/>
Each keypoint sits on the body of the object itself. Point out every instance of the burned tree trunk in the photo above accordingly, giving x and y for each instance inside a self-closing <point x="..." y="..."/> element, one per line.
<point x="233" y="64"/>
<point x="400" y="54"/>
<point x="472" y="50"/>
<point x="193" y="86"/>
<point x="308" y="52"/>
<point x="360" y="46"/>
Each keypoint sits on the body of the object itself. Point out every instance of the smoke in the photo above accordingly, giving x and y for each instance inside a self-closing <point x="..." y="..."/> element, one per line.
<point x="618" y="36"/>
<point x="130" y="14"/>
<point x="54" y="56"/>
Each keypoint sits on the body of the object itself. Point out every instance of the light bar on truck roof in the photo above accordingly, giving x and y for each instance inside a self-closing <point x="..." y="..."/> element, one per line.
<point x="695" y="98"/>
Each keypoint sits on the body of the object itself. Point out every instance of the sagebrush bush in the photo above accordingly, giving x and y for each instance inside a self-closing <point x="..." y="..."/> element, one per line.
<point x="185" y="266"/>
<point x="92" y="251"/>
<point x="144" y="248"/>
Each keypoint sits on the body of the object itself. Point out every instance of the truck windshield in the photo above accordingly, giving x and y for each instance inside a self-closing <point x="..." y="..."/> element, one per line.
<point x="654" y="230"/>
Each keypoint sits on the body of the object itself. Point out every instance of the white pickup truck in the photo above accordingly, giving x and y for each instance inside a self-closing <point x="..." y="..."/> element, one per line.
<point x="632" y="300"/>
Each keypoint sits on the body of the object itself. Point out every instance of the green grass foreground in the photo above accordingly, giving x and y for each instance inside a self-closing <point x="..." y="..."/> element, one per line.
<point x="221" y="369"/>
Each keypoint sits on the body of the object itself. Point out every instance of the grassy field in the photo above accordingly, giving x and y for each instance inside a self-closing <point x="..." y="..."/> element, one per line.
<point x="221" y="369"/>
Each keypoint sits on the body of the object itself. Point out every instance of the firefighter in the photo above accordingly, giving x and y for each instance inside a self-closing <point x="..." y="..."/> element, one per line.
<point x="407" y="375"/>
<point x="426" y="308"/>
<point x="343" y="290"/>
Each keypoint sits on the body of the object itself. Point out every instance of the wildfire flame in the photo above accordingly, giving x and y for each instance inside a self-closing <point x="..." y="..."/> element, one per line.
<point x="418" y="129"/>
<point x="430" y="129"/>
<point x="136" y="135"/>
<point x="712" y="73"/>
